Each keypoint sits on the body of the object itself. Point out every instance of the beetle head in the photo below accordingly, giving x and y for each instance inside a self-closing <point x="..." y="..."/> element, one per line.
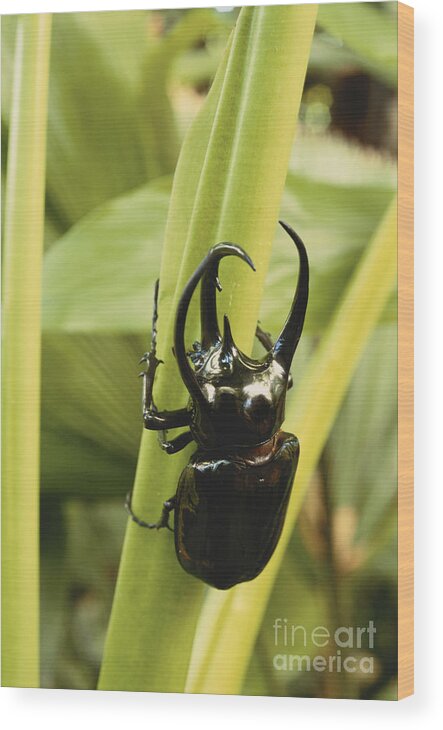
<point x="236" y="400"/>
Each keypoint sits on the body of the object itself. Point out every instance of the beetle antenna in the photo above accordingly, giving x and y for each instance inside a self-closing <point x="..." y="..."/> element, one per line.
<point x="287" y="342"/>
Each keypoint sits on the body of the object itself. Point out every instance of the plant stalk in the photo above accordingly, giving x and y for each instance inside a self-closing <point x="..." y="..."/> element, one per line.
<point x="23" y="250"/>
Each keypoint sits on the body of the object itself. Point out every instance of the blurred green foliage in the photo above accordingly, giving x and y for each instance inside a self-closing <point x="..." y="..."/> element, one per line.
<point x="123" y="89"/>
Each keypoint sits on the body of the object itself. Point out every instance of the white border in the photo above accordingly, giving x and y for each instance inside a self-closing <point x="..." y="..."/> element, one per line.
<point x="47" y="709"/>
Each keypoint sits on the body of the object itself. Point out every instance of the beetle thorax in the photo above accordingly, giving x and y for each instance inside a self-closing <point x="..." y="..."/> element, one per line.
<point x="243" y="398"/>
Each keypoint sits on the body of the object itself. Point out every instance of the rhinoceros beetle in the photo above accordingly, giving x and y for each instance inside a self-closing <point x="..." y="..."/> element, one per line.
<point x="232" y="496"/>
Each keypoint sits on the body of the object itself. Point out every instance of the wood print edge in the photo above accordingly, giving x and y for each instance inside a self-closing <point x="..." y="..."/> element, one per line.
<point x="405" y="350"/>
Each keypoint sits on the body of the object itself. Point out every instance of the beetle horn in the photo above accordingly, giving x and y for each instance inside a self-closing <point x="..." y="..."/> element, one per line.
<point x="210" y="333"/>
<point x="287" y="342"/>
<point x="228" y="348"/>
<point x="209" y="266"/>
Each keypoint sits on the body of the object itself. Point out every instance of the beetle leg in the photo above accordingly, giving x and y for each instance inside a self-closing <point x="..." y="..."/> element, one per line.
<point x="174" y="445"/>
<point x="154" y="419"/>
<point x="168" y="506"/>
<point x="265" y="339"/>
<point x="151" y="360"/>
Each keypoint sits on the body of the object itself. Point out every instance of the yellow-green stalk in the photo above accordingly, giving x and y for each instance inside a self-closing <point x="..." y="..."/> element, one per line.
<point x="23" y="249"/>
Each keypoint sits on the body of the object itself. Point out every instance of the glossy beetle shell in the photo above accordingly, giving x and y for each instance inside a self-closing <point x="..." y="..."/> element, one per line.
<point x="230" y="510"/>
<point x="232" y="497"/>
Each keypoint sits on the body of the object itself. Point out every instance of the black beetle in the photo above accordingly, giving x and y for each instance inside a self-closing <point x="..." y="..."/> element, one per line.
<point x="232" y="496"/>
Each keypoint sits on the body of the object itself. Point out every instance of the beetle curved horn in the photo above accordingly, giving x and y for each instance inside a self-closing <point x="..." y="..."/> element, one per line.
<point x="209" y="265"/>
<point x="210" y="333"/>
<point x="287" y="341"/>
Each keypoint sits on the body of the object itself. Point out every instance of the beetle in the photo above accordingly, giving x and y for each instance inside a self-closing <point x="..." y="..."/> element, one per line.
<point x="232" y="496"/>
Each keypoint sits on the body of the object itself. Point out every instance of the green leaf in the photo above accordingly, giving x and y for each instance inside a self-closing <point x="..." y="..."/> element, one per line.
<point x="328" y="57"/>
<point x="369" y="31"/>
<point x="111" y="125"/>
<point x="228" y="185"/>
<point x="160" y="134"/>
<point x="334" y="250"/>
<point x="100" y="276"/>
<point x="331" y="158"/>
<point x="53" y="588"/>
<point x="297" y="596"/>
<point x="89" y="445"/>
<point x="94" y="146"/>
<point x="97" y="289"/>
<point x="366" y="426"/>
